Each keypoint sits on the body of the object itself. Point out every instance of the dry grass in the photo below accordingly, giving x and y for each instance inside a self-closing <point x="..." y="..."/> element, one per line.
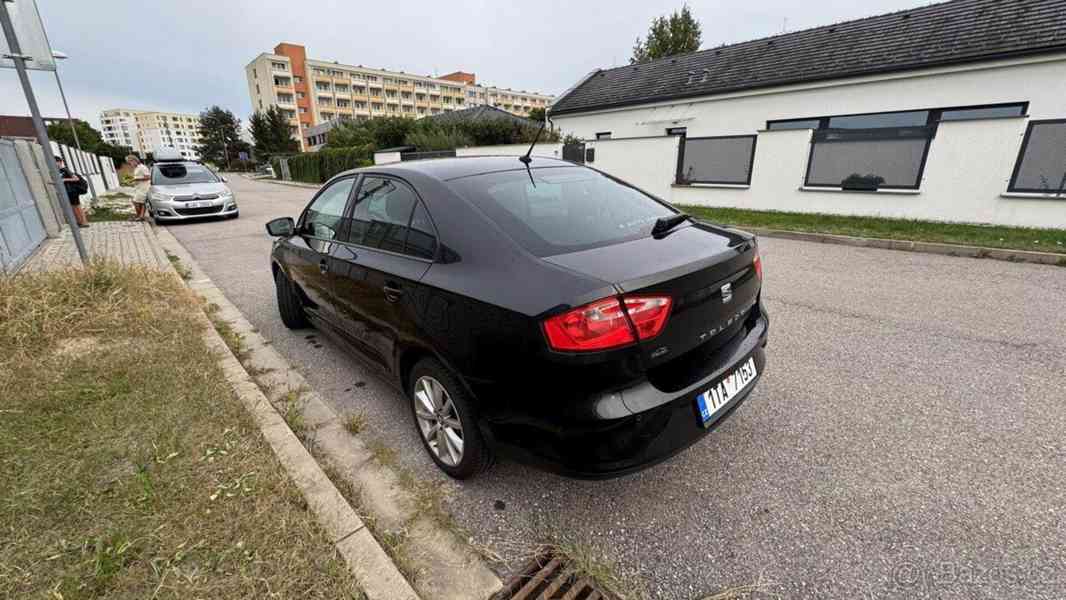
<point x="355" y="422"/>
<point x="129" y="470"/>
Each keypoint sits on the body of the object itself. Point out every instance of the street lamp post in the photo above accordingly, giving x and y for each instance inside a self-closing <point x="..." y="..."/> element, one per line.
<point x="73" y="130"/>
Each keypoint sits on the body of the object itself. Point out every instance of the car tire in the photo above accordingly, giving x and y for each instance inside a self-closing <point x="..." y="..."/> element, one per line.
<point x="289" y="305"/>
<point x="453" y="405"/>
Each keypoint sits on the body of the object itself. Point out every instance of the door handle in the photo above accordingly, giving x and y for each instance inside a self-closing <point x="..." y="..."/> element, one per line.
<point x="323" y="266"/>
<point x="392" y="292"/>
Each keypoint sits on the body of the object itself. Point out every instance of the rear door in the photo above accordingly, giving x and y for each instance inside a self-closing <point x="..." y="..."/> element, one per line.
<point x="317" y="232"/>
<point x="390" y="244"/>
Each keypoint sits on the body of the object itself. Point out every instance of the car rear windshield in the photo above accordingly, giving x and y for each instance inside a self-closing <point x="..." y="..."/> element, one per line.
<point x="179" y="173"/>
<point x="563" y="209"/>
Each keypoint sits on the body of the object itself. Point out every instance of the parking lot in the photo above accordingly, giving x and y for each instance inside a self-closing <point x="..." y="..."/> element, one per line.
<point x="907" y="438"/>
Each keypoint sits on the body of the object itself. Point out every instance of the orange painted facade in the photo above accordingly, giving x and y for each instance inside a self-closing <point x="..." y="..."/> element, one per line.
<point x="297" y="56"/>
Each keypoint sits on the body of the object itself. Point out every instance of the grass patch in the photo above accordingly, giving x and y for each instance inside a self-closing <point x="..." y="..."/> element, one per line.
<point x="293" y="414"/>
<point x="990" y="236"/>
<point x="128" y="467"/>
<point x="108" y="213"/>
<point x="588" y="561"/>
<point x="355" y="422"/>
<point x="180" y="267"/>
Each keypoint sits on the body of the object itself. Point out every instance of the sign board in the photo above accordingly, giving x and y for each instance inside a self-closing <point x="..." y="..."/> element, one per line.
<point x="32" y="40"/>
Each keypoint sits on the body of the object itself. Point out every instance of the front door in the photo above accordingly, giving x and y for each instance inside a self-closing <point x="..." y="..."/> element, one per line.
<point x="378" y="295"/>
<point x="316" y="234"/>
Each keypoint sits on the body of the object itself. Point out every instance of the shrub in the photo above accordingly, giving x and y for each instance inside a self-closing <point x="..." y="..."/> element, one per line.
<point x="318" y="167"/>
<point x="428" y="139"/>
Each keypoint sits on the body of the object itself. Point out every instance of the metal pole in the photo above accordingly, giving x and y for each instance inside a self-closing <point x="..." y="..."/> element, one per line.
<point x="73" y="130"/>
<point x="42" y="134"/>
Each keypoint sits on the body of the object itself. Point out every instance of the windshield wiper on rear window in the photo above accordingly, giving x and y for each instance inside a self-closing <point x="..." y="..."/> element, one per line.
<point x="663" y="225"/>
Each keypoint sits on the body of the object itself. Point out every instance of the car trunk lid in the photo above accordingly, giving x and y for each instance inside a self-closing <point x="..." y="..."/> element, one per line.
<point x="707" y="272"/>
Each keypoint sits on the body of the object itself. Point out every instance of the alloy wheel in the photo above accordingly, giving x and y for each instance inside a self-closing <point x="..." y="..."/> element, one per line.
<point x="438" y="420"/>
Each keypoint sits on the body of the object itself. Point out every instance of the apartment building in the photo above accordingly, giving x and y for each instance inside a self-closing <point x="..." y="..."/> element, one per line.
<point x="148" y="131"/>
<point x="313" y="92"/>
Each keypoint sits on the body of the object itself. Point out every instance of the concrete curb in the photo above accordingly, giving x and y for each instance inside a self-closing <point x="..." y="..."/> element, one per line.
<point x="369" y="563"/>
<point x="452" y="570"/>
<point x="1026" y="256"/>
<point x="313" y="186"/>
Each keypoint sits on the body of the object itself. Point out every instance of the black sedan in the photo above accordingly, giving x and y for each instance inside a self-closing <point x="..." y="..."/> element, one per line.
<point x="549" y="312"/>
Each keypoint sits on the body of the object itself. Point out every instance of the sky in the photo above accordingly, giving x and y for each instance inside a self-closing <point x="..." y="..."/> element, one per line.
<point x="186" y="55"/>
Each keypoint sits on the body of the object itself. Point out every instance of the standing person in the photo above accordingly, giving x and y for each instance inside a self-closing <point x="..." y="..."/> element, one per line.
<point x="75" y="186"/>
<point x="141" y="175"/>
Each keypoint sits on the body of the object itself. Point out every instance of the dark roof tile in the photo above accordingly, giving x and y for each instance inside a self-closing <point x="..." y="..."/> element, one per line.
<point x="935" y="35"/>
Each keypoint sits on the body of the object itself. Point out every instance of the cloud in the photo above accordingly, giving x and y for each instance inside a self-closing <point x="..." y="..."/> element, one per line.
<point x="185" y="56"/>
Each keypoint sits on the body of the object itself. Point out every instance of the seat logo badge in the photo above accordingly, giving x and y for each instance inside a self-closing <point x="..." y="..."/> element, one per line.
<point x="727" y="293"/>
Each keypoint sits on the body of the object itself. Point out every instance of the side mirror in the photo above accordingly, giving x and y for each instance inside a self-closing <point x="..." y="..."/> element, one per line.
<point x="282" y="227"/>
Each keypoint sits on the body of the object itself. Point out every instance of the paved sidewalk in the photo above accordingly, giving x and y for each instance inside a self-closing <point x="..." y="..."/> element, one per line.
<point x="127" y="242"/>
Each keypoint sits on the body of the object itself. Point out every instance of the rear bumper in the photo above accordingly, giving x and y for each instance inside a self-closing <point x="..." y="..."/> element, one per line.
<point x="616" y="445"/>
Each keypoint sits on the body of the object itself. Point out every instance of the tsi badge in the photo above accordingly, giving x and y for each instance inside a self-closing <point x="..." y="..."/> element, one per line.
<point x="727" y="293"/>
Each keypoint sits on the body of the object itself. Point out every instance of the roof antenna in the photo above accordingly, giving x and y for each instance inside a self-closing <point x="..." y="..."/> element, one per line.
<point x="525" y="158"/>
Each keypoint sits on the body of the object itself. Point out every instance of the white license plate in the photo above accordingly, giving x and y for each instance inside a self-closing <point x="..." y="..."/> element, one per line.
<point x="712" y="400"/>
<point x="195" y="204"/>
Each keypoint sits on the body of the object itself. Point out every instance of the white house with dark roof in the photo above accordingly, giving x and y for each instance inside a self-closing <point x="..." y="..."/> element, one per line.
<point x="950" y="112"/>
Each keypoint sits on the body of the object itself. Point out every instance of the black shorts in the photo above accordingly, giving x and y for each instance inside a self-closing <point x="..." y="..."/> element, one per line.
<point x="74" y="200"/>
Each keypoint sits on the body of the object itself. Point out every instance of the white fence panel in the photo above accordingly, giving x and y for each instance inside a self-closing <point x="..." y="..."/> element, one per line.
<point x="546" y="149"/>
<point x="649" y="163"/>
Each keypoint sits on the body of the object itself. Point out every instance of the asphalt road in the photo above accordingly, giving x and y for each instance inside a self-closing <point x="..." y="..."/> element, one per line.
<point x="908" y="438"/>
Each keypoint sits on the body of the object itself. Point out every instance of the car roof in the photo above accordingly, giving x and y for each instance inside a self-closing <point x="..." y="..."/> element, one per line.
<point x="452" y="168"/>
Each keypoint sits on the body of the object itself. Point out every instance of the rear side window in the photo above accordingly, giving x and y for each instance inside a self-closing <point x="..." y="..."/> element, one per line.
<point x="388" y="216"/>
<point x="324" y="215"/>
<point x="421" y="239"/>
<point x="562" y="210"/>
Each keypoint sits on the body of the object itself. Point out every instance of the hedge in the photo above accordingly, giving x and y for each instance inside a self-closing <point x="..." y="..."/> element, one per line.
<point x="318" y="167"/>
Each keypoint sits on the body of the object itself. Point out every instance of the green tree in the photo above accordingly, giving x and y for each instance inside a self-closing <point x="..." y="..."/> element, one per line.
<point x="677" y="34"/>
<point x="272" y="134"/>
<point x="220" y="137"/>
<point x="536" y="114"/>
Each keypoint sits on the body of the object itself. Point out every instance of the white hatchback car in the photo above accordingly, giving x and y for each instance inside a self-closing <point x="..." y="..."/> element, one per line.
<point x="182" y="189"/>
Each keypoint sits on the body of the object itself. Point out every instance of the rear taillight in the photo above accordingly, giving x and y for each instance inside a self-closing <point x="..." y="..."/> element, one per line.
<point x="605" y="324"/>
<point x="758" y="265"/>
<point x="648" y="313"/>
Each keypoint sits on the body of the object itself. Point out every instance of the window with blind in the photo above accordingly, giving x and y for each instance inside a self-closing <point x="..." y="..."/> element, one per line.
<point x="891" y="158"/>
<point x="722" y="160"/>
<point x="1041" y="164"/>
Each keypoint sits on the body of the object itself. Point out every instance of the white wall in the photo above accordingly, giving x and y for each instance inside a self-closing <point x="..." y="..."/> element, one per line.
<point x="384" y="158"/>
<point x="648" y="163"/>
<point x="966" y="173"/>
<point x="541" y="149"/>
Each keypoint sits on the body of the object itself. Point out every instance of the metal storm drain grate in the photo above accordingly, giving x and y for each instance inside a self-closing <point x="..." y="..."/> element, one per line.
<point x="551" y="576"/>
